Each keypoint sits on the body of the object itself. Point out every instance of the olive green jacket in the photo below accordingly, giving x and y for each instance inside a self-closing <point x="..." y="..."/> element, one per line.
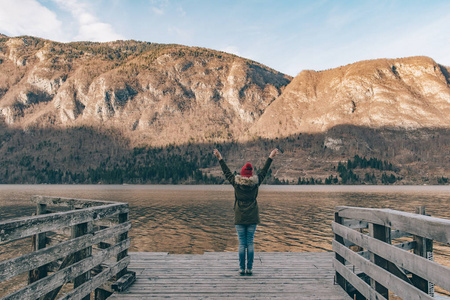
<point x="245" y="192"/>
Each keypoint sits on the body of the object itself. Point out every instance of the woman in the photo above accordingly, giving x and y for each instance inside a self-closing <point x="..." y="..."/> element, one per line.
<point x="246" y="213"/>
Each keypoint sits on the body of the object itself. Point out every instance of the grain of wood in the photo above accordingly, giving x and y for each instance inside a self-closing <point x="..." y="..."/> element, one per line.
<point x="388" y="280"/>
<point x="279" y="275"/>
<point x="423" y="267"/>
<point x="433" y="228"/>
<point x="18" y="265"/>
<point x="11" y="230"/>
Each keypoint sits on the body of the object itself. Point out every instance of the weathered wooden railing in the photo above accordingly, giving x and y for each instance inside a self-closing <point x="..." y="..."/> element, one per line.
<point x="79" y="249"/>
<point x="367" y="260"/>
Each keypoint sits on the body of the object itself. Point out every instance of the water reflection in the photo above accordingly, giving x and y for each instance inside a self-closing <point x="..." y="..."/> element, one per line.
<point x="196" y="219"/>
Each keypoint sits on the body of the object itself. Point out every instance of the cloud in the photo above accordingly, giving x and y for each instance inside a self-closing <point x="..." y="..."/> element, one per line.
<point x="159" y="6"/>
<point x="90" y="28"/>
<point x="29" y="17"/>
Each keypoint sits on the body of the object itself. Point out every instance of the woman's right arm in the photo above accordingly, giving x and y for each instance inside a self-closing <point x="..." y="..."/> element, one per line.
<point x="228" y="175"/>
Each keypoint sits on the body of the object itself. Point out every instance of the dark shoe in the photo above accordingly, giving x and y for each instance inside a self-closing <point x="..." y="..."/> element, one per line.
<point x="249" y="272"/>
<point x="241" y="272"/>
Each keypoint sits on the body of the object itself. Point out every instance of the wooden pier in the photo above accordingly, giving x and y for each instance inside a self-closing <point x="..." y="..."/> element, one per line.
<point x="80" y="251"/>
<point x="213" y="275"/>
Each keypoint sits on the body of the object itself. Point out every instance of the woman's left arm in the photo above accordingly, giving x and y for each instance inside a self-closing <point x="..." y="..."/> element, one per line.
<point x="262" y="174"/>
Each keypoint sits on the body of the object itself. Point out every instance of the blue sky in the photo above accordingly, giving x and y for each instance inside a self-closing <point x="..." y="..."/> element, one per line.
<point x="288" y="36"/>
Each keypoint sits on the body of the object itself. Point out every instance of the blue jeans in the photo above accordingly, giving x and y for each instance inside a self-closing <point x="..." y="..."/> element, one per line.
<point x="245" y="236"/>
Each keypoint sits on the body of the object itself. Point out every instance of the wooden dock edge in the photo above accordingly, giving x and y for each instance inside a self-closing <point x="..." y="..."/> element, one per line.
<point x="76" y="244"/>
<point x="373" y="259"/>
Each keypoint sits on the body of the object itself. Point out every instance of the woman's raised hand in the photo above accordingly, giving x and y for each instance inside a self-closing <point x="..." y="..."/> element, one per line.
<point x="273" y="153"/>
<point x="217" y="154"/>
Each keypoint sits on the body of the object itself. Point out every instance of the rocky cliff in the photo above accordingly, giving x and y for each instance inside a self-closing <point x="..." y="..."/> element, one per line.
<point x="407" y="93"/>
<point x="154" y="94"/>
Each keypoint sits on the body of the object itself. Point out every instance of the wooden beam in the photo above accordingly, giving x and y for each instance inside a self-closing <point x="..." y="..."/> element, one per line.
<point x="80" y="230"/>
<point x="385" y="278"/>
<point x="359" y="284"/>
<point x="339" y="278"/>
<point x="86" y="288"/>
<point x="395" y="234"/>
<point x="355" y="224"/>
<point x="394" y="269"/>
<point x="124" y="282"/>
<point x="425" y="226"/>
<point x="405" y="246"/>
<point x="425" y="268"/>
<point x="24" y="263"/>
<point x="67" y="261"/>
<point x="22" y="227"/>
<point x="51" y="282"/>
<point x="68" y="202"/>
<point x="106" y="222"/>
<point x="381" y="233"/>
<point x="39" y="241"/>
<point x="423" y="248"/>
<point x="122" y="218"/>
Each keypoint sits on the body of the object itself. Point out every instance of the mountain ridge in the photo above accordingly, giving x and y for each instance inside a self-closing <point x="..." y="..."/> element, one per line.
<point x="409" y="92"/>
<point x="139" y="112"/>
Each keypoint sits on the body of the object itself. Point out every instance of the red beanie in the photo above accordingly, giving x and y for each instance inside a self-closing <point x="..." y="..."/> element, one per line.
<point x="247" y="170"/>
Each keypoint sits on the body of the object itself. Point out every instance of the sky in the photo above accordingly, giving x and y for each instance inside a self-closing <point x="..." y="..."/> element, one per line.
<point x="286" y="35"/>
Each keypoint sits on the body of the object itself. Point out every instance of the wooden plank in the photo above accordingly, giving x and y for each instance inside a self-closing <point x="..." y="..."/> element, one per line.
<point x="22" y="227"/>
<point x="355" y="224"/>
<point x="395" y="234"/>
<point x="405" y="246"/>
<point x="214" y="275"/>
<point x="18" y="265"/>
<point x="51" y="282"/>
<point x="425" y="268"/>
<point x="359" y="284"/>
<point x="68" y="202"/>
<point x="388" y="280"/>
<point x="234" y="296"/>
<point x="124" y="282"/>
<point x="86" y="288"/>
<point x="425" y="226"/>
<point x="106" y="222"/>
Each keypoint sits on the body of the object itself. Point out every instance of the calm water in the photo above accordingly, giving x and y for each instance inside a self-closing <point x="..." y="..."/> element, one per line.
<point x="195" y="219"/>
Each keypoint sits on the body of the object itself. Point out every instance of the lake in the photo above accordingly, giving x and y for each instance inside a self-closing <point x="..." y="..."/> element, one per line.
<point x="197" y="219"/>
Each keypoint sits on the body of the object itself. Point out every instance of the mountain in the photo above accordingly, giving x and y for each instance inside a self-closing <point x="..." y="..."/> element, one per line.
<point x="139" y="112"/>
<point x="408" y="93"/>
<point x="154" y="94"/>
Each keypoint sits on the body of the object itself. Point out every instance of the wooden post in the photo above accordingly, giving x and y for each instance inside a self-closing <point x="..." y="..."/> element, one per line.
<point x="77" y="231"/>
<point x="122" y="218"/>
<point x="424" y="248"/>
<point x="381" y="233"/>
<point x="339" y="278"/>
<point x="101" y="294"/>
<point x="38" y="242"/>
